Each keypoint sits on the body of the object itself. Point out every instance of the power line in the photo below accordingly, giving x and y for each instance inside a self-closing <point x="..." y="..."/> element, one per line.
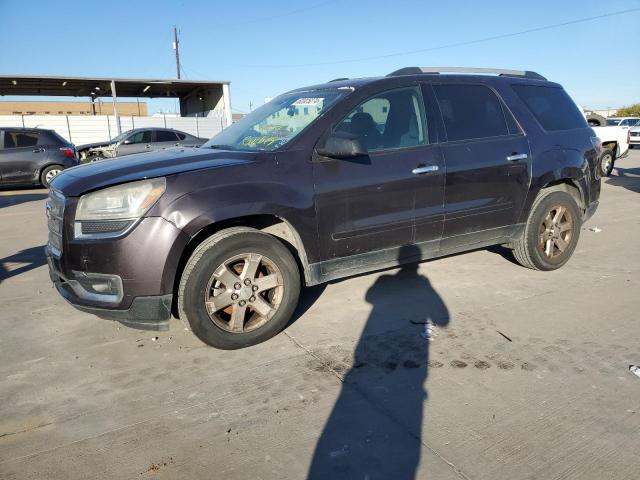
<point x="449" y="45"/>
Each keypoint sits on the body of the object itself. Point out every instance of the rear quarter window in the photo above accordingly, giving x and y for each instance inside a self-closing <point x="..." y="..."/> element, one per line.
<point x="551" y="106"/>
<point x="51" y="138"/>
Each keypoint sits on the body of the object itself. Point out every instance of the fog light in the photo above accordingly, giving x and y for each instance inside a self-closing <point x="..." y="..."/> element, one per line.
<point x="100" y="286"/>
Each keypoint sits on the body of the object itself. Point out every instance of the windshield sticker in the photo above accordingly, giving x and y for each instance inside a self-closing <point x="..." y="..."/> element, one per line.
<point x="308" y="101"/>
<point x="262" y="141"/>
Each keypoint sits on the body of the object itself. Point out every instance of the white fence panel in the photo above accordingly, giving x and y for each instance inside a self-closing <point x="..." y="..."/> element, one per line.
<point x="146" y="122"/>
<point x="11" y="121"/>
<point x="86" y="129"/>
<point x="80" y="129"/>
<point x="57" y="123"/>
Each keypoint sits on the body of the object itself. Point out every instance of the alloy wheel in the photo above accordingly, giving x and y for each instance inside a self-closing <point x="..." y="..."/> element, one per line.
<point x="244" y="292"/>
<point x="51" y="174"/>
<point x="605" y="163"/>
<point x="556" y="232"/>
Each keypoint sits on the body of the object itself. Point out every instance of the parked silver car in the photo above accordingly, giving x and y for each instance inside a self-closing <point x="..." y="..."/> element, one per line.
<point x="138" y="140"/>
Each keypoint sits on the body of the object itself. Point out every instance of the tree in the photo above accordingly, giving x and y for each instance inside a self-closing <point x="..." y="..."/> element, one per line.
<point x="630" y="111"/>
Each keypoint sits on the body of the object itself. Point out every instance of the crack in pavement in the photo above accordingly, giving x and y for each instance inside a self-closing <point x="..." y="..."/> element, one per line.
<point x="383" y="411"/>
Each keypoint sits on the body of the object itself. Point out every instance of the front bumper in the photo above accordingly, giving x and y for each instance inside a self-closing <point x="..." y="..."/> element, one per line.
<point x="147" y="313"/>
<point x="129" y="278"/>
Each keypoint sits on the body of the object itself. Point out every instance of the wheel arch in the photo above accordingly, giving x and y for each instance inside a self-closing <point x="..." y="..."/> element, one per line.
<point x="613" y="146"/>
<point x="271" y="224"/>
<point x="574" y="186"/>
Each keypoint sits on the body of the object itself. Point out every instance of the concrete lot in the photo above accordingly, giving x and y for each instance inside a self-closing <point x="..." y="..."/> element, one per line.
<point x="525" y="376"/>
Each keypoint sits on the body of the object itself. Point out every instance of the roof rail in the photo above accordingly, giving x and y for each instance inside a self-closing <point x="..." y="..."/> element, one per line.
<point x="338" y="79"/>
<point x="495" y="71"/>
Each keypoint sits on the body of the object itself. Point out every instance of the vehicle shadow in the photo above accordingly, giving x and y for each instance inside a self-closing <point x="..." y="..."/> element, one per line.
<point x="23" y="261"/>
<point x="375" y="428"/>
<point x="17" y="198"/>
<point x="628" y="178"/>
<point x="308" y="297"/>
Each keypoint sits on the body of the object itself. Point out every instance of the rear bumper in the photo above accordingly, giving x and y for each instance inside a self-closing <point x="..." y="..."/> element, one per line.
<point x="145" y="312"/>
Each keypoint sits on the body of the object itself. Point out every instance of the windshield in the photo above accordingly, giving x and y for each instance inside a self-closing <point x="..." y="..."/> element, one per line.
<point x="276" y="123"/>
<point x="119" y="137"/>
<point x="613" y="122"/>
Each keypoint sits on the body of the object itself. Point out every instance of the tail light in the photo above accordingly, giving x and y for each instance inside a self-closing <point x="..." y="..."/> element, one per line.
<point x="597" y="144"/>
<point x="69" y="152"/>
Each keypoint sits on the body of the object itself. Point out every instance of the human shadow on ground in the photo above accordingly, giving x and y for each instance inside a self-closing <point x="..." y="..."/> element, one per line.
<point x="22" y="262"/>
<point x="375" y="428"/>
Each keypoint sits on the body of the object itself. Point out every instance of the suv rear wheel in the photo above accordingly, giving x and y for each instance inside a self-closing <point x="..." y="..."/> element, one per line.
<point x="49" y="173"/>
<point x="551" y="233"/>
<point x="240" y="287"/>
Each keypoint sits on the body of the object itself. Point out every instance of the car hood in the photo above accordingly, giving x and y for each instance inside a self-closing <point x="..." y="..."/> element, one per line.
<point x="92" y="176"/>
<point x="92" y="145"/>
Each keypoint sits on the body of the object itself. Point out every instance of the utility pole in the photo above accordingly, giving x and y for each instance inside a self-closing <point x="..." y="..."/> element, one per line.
<point x="176" y="47"/>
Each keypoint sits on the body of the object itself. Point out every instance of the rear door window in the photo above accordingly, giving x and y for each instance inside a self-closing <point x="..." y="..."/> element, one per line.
<point x="472" y="112"/>
<point x="165" y="136"/>
<point x="551" y="106"/>
<point x="14" y="139"/>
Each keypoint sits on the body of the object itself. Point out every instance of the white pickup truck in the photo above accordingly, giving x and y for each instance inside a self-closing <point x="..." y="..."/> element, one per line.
<point x="615" y="145"/>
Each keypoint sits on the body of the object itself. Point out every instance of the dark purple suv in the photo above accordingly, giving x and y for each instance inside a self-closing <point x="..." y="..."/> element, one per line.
<point x="322" y="183"/>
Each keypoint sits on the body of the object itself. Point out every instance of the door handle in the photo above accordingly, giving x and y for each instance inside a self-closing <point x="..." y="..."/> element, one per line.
<point x="148" y="146"/>
<point x="425" y="169"/>
<point x="517" y="156"/>
<point x="38" y="150"/>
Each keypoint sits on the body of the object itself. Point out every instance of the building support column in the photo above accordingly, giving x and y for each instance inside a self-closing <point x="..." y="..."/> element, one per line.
<point x="226" y="96"/>
<point x="114" y="97"/>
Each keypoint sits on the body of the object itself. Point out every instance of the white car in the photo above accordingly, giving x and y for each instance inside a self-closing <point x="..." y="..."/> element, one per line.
<point x="624" y="122"/>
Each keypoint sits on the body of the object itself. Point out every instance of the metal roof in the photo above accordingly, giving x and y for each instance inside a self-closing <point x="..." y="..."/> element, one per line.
<point x="35" y="85"/>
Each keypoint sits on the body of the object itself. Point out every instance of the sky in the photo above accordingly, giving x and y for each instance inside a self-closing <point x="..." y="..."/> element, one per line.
<point x="266" y="48"/>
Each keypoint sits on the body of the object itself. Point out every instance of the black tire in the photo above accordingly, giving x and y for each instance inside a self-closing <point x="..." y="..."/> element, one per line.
<point x="209" y="257"/>
<point x="530" y="250"/>
<point x="607" y="160"/>
<point x="45" y="176"/>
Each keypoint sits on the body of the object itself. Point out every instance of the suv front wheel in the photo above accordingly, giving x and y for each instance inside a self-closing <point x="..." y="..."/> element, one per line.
<point x="240" y="287"/>
<point x="551" y="233"/>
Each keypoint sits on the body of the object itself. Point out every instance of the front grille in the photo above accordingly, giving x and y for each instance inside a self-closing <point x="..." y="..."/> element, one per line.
<point x="634" y="134"/>
<point x="55" y="221"/>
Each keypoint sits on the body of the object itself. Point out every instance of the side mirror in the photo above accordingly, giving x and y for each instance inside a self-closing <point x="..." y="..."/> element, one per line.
<point x="127" y="141"/>
<point x="342" y="145"/>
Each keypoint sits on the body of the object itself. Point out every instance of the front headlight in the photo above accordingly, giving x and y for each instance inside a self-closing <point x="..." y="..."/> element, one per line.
<point x="114" y="209"/>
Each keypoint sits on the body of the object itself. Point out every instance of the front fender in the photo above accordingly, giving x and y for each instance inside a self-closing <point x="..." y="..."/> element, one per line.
<point x="228" y="194"/>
